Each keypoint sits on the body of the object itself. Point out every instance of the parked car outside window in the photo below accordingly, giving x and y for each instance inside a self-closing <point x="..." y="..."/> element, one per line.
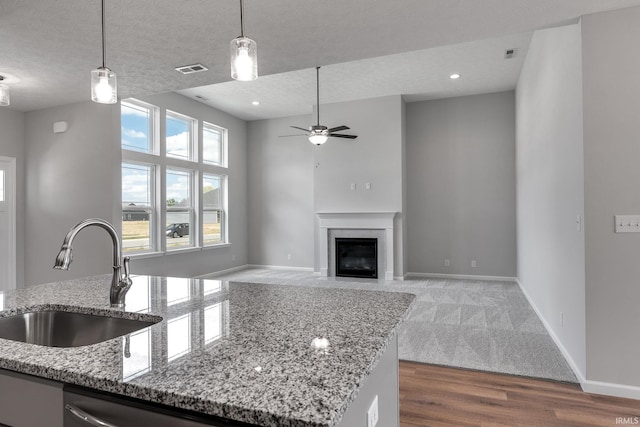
<point x="178" y="230"/>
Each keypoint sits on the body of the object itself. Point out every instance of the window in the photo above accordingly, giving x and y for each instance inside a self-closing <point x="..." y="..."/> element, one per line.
<point x="212" y="209"/>
<point x="213" y="144"/>
<point x="137" y="207"/>
<point x="174" y="182"/>
<point x="138" y="126"/>
<point x="179" y="208"/>
<point x="179" y="138"/>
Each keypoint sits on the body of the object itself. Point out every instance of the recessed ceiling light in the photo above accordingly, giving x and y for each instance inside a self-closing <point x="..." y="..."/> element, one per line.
<point x="454" y="76"/>
<point x="255" y="103"/>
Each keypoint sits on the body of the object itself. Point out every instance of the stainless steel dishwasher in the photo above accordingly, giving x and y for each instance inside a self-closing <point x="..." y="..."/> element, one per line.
<point x="85" y="408"/>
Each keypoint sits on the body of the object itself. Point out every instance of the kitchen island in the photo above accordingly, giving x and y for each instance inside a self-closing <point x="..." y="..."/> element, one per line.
<point x="266" y="355"/>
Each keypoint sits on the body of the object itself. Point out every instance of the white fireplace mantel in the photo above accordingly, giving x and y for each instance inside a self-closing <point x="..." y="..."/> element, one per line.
<point x="374" y="221"/>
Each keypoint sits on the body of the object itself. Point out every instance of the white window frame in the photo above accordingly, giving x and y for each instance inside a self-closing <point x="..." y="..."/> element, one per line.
<point x="190" y="210"/>
<point x="222" y="209"/>
<point x="223" y="144"/>
<point x="152" y="209"/>
<point x="162" y="162"/>
<point x="192" y="143"/>
<point x="154" y="125"/>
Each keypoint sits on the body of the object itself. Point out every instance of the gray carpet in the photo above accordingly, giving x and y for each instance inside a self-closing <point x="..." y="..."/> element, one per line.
<point x="472" y="324"/>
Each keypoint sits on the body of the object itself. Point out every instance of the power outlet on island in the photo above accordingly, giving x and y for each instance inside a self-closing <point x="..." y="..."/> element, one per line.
<point x="372" y="413"/>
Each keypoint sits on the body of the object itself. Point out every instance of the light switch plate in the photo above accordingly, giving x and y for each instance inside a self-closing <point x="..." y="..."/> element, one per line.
<point x="627" y="223"/>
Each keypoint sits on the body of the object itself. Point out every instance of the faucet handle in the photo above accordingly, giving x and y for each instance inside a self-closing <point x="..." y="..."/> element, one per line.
<point x="125" y="266"/>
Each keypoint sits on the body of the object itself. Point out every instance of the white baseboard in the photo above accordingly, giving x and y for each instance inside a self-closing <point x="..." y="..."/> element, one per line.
<point x="588" y="386"/>
<point x="611" y="389"/>
<point x="223" y="272"/>
<point x="574" y="366"/>
<point x="281" y="267"/>
<point x="460" y="277"/>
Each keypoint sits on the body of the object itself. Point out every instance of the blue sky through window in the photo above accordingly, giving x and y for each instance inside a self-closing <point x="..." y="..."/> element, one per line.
<point x="178" y="130"/>
<point x="136" y="185"/>
<point x="135" y="131"/>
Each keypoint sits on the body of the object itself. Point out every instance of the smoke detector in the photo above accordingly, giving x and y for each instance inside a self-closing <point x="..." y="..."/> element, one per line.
<point x="510" y="53"/>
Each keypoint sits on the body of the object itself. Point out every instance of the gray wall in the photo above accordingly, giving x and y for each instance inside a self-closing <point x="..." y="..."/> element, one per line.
<point x="550" y="190"/>
<point x="290" y="179"/>
<point x="280" y="172"/>
<point x="197" y="263"/>
<point x="461" y="185"/>
<point x="70" y="177"/>
<point x="12" y="145"/>
<point x="76" y="175"/>
<point x="374" y="157"/>
<point x="611" y="66"/>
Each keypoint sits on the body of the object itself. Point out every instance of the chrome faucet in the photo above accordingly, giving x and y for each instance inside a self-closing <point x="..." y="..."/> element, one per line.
<point x="120" y="284"/>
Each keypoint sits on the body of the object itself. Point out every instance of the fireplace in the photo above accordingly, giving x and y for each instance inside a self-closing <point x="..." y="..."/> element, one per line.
<point x="356" y="225"/>
<point x="356" y="257"/>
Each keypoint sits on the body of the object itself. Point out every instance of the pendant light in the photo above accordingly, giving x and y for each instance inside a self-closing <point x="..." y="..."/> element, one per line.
<point x="104" y="89"/>
<point x="244" y="54"/>
<point x="4" y="93"/>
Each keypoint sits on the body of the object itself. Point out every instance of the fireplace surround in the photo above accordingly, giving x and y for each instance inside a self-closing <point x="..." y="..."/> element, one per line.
<point x="373" y="225"/>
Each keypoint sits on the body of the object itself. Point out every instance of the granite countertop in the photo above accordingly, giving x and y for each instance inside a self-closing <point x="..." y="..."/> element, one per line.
<point x="241" y="351"/>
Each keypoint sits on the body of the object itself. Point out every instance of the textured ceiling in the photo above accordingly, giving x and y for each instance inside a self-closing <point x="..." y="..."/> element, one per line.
<point x="48" y="47"/>
<point x="418" y="75"/>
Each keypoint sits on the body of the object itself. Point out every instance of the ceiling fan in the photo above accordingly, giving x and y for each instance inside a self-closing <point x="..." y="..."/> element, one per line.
<point x="318" y="134"/>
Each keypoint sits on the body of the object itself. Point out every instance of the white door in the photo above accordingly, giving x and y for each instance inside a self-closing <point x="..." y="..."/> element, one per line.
<point x="7" y="223"/>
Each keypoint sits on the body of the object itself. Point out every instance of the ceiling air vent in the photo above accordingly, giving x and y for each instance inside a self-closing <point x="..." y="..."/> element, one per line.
<point x="190" y="69"/>
<point x="509" y="53"/>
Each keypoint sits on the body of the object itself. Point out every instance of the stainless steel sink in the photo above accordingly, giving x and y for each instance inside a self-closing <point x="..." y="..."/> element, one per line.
<point x="66" y="329"/>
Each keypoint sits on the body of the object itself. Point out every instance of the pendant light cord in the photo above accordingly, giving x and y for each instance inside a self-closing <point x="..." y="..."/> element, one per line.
<point x="104" y="61"/>
<point x="318" y="93"/>
<point x="241" y="18"/>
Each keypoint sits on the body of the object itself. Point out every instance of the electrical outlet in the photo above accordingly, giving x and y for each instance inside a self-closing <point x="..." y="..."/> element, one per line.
<point x="233" y="257"/>
<point x="367" y="186"/>
<point x="353" y="186"/>
<point x="289" y="256"/>
<point x="372" y="413"/>
<point x="447" y="263"/>
<point x="474" y="263"/>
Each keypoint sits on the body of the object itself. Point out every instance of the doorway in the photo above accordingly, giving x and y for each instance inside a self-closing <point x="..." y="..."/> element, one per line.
<point x="7" y="223"/>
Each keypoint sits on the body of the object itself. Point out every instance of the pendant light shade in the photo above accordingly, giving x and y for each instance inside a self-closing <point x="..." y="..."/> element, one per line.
<point x="244" y="54"/>
<point x="104" y="88"/>
<point x="244" y="59"/>
<point x="4" y="94"/>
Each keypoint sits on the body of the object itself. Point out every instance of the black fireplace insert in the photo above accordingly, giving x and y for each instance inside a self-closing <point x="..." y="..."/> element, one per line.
<point x="357" y="257"/>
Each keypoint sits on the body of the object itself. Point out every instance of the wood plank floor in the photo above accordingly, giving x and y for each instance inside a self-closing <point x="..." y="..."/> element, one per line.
<point x="437" y="396"/>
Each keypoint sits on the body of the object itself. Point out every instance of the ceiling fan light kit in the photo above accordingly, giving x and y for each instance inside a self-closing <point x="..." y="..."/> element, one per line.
<point x="104" y="88"/>
<point x="5" y="98"/>
<point x="244" y="54"/>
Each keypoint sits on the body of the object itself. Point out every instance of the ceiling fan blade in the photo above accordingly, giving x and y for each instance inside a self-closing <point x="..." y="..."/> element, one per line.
<point x="296" y="127"/>
<point x="339" y="128"/>
<point x="339" y="135"/>
<point x="287" y="136"/>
